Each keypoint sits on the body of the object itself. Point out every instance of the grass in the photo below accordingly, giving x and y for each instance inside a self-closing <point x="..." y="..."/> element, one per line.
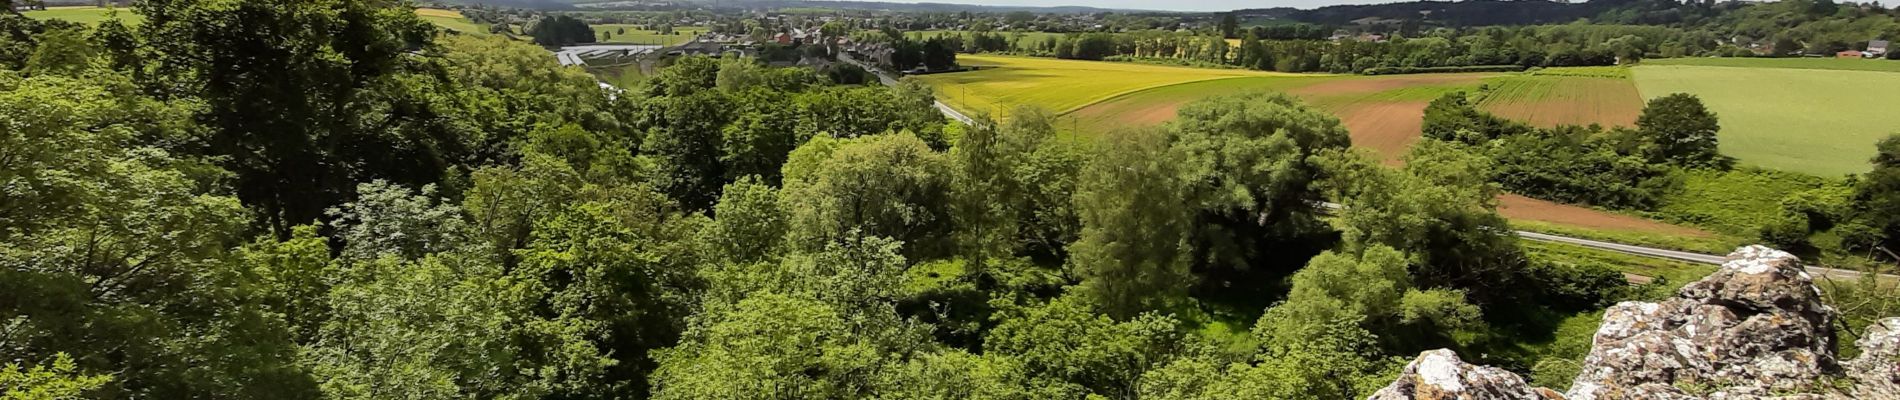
<point x="611" y="33"/>
<point x="1735" y="202"/>
<point x="1565" y="97"/>
<point x="1718" y="244"/>
<point x="1840" y="64"/>
<point x="451" y="20"/>
<point x="1004" y="82"/>
<point x="1817" y="122"/>
<point x="87" y="15"/>
<point x="1155" y="105"/>
<point x="1673" y="274"/>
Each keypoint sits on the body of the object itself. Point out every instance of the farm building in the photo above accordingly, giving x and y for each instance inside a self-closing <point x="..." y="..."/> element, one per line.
<point x="1876" y="48"/>
<point x="1849" y="54"/>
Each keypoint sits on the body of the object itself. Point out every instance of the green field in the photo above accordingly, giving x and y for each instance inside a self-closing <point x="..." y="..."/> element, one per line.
<point x="1552" y="100"/>
<point x="1157" y="105"/>
<point x="1816" y="122"/>
<point x="86" y="14"/>
<point x="611" y="33"/>
<point x="451" y="20"/>
<point x="1004" y="82"/>
<point x="1844" y="64"/>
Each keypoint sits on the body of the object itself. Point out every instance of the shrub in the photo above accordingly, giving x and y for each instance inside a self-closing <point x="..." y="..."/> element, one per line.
<point x="1427" y="70"/>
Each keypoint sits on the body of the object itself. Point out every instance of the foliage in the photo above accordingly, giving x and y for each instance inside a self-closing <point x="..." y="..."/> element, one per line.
<point x="841" y="190"/>
<point x="1134" y="251"/>
<point x="1566" y="164"/>
<point x="57" y="381"/>
<point x="560" y="30"/>
<point x="1757" y="117"/>
<point x="1015" y="182"/>
<point x="1677" y="129"/>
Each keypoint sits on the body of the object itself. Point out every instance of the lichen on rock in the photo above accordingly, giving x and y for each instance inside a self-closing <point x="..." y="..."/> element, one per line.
<point x="1439" y="374"/>
<point x="1755" y="329"/>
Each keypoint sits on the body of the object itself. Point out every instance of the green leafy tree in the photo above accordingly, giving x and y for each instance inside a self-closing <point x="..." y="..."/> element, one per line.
<point x="1014" y="186"/>
<point x="1134" y="251"/>
<point x="62" y="51"/>
<point x="1249" y="157"/>
<point x="1070" y="351"/>
<point x="762" y="136"/>
<point x="58" y="381"/>
<point x="111" y="249"/>
<point x="750" y="226"/>
<point x="1679" y="130"/>
<point x="684" y="144"/>
<point x="285" y="96"/>
<point x="842" y="190"/>
<point x="1440" y="208"/>
<point x="427" y="313"/>
<point x="1877" y="199"/>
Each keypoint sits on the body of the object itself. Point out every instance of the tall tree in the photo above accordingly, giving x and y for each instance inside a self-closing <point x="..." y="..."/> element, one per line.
<point x="1134" y="250"/>
<point x="288" y="86"/>
<point x="1679" y="130"/>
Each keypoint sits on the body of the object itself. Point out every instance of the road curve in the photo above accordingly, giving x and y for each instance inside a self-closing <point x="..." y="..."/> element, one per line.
<point x="887" y="80"/>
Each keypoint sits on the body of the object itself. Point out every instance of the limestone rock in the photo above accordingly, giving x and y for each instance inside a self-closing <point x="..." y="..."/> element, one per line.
<point x="1755" y="327"/>
<point x="1439" y="374"/>
<point x="1876" y="372"/>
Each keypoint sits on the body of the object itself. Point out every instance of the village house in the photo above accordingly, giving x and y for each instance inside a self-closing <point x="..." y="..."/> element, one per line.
<point x="1876" y="48"/>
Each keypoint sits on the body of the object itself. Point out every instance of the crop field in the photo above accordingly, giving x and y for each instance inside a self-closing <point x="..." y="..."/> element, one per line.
<point x="1817" y="122"/>
<point x="1004" y="82"/>
<point x="612" y="33"/>
<point x="1551" y="100"/>
<point x="1383" y="113"/>
<point x="1842" y="64"/>
<point x="86" y="14"/>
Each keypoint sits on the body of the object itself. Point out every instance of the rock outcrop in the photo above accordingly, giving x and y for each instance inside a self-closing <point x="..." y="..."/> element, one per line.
<point x="1439" y="374"/>
<point x="1877" y="371"/>
<point x="1756" y="328"/>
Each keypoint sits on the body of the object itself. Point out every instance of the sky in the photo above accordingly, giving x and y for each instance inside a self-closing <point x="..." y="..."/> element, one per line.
<point x="1170" y="5"/>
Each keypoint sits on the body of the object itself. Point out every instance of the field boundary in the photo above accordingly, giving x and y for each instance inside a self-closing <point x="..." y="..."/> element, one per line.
<point x="1128" y="93"/>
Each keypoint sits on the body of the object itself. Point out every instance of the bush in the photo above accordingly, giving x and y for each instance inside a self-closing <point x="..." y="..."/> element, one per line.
<point x="1570" y="165"/>
<point x="1427" y="70"/>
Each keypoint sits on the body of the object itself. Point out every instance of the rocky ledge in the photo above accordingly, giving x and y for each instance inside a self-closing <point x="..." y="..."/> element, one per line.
<point x="1756" y="328"/>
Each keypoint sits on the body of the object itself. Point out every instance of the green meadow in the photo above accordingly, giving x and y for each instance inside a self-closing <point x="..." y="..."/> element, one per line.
<point x="632" y="34"/>
<point x="1842" y="64"/>
<point x="1803" y="120"/>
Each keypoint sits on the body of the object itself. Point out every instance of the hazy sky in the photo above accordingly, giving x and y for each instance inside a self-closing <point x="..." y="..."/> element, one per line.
<point x="1174" y="5"/>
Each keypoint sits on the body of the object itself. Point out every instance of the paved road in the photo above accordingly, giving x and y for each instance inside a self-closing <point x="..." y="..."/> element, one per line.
<point x="1698" y="258"/>
<point x="887" y="80"/>
<point x="1834" y="273"/>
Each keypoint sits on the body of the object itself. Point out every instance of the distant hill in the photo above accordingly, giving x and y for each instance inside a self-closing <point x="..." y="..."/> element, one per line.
<point x="775" y="4"/>
<point x="1453" y="13"/>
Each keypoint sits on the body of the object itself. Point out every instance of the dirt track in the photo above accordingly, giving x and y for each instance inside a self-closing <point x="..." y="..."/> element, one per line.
<point x="1524" y="208"/>
<point x="1378" y="84"/>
